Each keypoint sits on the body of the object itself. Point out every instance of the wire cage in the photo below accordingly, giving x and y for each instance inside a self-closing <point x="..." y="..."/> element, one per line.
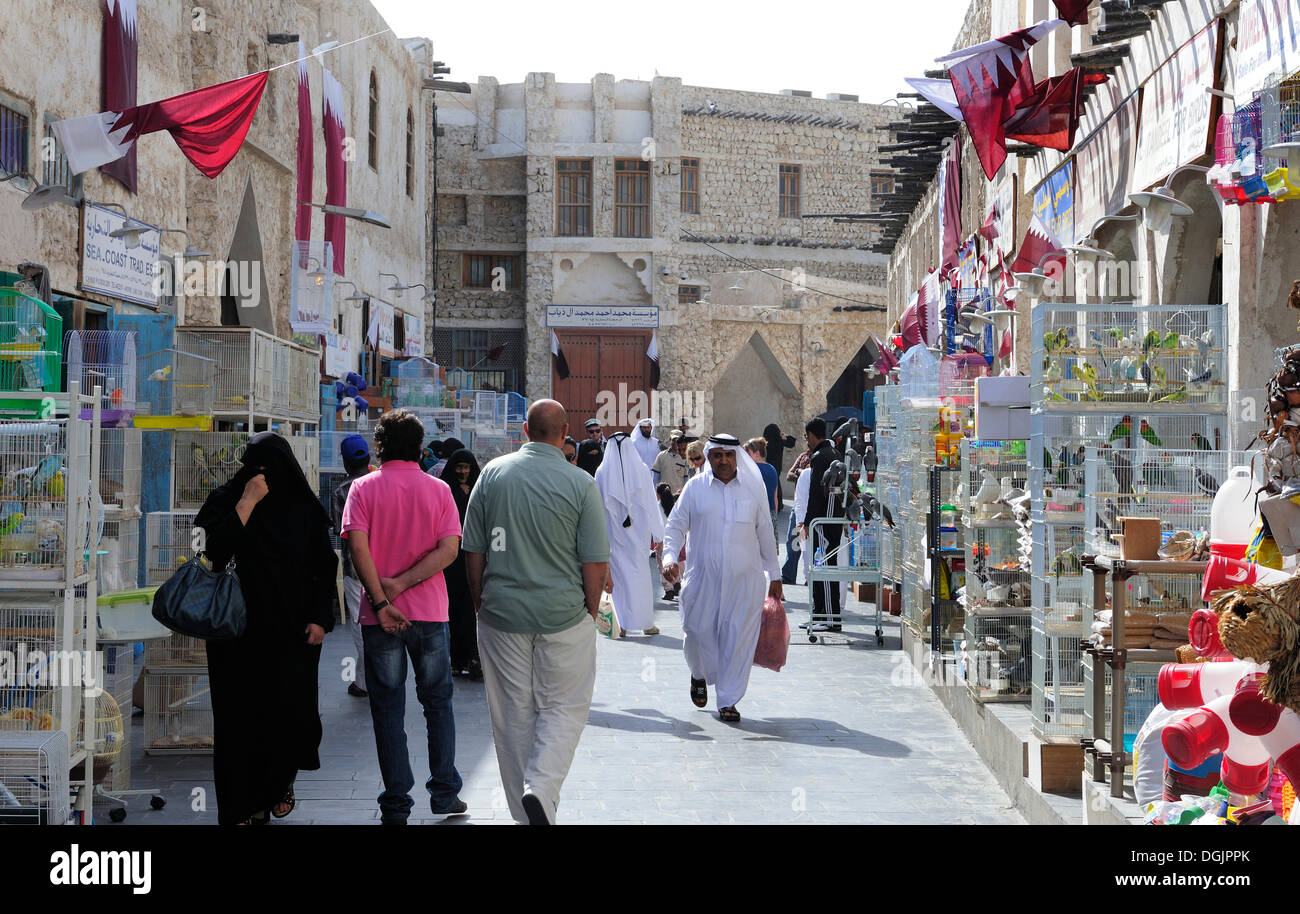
<point x="418" y="383"/>
<point x="104" y="358"/>
<point x="177" y="714"/>
<point x="118" y="567"/>
<point x="177" y="652"/>
<point x="304" y="380"/>
<point x="1141" y="695"/>
<point x="1099" y="357"/>
<point x="1279" y="114"/>
<point x="516" y="406"/>
<point x="258" y="374"/>
<point x="119" y="682"/>
<point x="996" y="655"/>
<point x="306" y="447"/>
<point x="202" y="461"/>
<point x="918" y="375"/>
<point x="40" y="514"/>
<point x="30" y="331"/>
<point x="34" y="633"/>
<point x="170" y="539"/>
<point x="331" y="440"/>
<point x="34" y="787"/>
<point x="329" y="481"/>
<point x="441" y="423"/>
<point x="1057" y="695"/>
<point x="985" y="465"/>
<point x="176" y="389"/>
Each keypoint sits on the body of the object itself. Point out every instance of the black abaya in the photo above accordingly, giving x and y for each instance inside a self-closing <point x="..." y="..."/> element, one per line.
<point x="463" y="624"/>
<point x="263" y="684"/>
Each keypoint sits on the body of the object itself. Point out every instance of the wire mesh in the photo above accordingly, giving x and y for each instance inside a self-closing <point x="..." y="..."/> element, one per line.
<point x="307" y="449"/>
<point x="1141" y="695"/>
<point x="170" y="539"/>
<point x="202" y="461"/>
<point x="36" y="507"/>
<point x="1100" y="357"/>
<point x="996" y="655"/>
<point x="33" y="633"/>
<point x="304" y="381"/>
<point x="1280" y="112"/>
<point x="178" y="651"/>
<point x="104" y="358"/>
<point x="34" y="787"/>
<point x="177" y="714"/>
<point x="175" y="383"/>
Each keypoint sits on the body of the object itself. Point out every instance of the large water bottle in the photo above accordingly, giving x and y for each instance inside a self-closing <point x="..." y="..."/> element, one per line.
<point x="1232" y="516"/>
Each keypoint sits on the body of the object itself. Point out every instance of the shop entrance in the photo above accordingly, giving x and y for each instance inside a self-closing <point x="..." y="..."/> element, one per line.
<point x="600" y="360"/>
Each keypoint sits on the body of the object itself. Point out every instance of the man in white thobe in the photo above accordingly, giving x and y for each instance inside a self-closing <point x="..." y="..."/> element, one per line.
<point x="635" y="524"/>
<point x="645" y="442"/>
<point x="731" y="564"/>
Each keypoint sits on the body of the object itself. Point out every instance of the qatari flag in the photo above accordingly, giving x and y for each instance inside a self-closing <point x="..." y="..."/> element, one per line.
<point x="950" y="209"/>
<point x="1039" y="242"/>
<point x="336" y="175"/>
<point x="1074" y="12"/>
<point x="209" y="126"/>
<point x="1049" y="117"/>
<point x="119" y="41"/>
<point x="991" y="80"/>
<point x="302" y="221"/>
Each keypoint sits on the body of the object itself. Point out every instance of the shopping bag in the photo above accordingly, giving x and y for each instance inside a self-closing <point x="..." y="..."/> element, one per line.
<point x="607" y="618"/>
<point x="773" y="636"/>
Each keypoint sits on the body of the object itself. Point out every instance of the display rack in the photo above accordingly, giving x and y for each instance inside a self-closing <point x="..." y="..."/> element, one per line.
<point x="260" y="378"/>
<point x="855" y="559"/>
<point x="947" y="558"/>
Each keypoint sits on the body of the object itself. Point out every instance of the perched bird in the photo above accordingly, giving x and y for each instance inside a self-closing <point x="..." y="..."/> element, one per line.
<point x="1122" y="429"/>
<point x="989" y="490"/>
<point x="1054" y="372"/>
<point x="1150" y="434"/>
<point x="1177" y="395"/>
<point x="1101" y="355"/>
<point x="161" y="374"/>
<point x="1202" y="443"/>
<point x="1118" y="369"/>
<point x="1171" y="340"/>
<point x="1150" y="341"/>
<point x="1207" y="483"/>
<point x="1204" y="377"/>
<point x="1086" y="373"/>
<point x="1203" y="344"/>
<point x="1145" y="369"/>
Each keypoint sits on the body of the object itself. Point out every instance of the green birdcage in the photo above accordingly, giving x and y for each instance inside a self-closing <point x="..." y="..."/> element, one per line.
<point x="31" y="334"/>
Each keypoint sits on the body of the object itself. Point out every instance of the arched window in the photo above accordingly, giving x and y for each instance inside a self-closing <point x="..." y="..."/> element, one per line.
<point x="410" y="153"/>
<point x="373" y="144"/>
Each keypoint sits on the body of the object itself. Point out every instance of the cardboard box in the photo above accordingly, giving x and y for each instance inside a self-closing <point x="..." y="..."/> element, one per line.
<point x="1001" y="423"/>
<point x="864" y="591"/>
<point x="1002" y="391"/>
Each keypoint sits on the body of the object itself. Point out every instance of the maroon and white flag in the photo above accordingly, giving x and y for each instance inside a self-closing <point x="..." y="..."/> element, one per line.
<point x="336" y="175"/>
<point x="302" y="221"/>
<point x="1074" y="12"/>
<point x="950" y="209"/>
<point x="1049" y="116"/>
<point x="209" y="126"/>
<point x="119" y="42"/>
<point x="1039" y="242"/>
<point x="929" y="309"/>
<point x="991" y="80"/>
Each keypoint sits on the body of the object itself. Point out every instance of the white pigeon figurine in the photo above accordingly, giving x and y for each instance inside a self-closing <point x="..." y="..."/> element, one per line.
<point x="989" y="490"/>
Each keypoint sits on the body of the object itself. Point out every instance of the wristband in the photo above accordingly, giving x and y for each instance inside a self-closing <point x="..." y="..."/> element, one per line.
<point x="380" y="605"/>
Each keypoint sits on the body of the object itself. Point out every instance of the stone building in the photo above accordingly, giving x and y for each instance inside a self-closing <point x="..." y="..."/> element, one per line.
<point x="251" y="204"/>
<point x="606" y="211"/>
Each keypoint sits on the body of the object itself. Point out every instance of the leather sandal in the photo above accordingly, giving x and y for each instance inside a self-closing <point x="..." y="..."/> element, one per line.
<point x="729" y="715"/>
<point x="699" y="693"/>
<point x="287" y="800"/>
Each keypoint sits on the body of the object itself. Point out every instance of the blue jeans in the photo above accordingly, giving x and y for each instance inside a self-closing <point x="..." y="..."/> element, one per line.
<point x="427" y="645"/>
<point x="790" y="570"/>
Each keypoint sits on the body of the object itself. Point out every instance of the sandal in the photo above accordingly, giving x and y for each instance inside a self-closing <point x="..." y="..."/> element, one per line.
<point x="699" y="693"/>
<point x="729" y="715"/>
<point x="288" y="800"/>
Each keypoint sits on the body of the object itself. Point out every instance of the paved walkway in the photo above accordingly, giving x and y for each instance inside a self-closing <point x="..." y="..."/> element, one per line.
<point x="843" y="735"/>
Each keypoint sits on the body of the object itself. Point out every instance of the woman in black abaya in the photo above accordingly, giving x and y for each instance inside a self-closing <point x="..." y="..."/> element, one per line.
<point x="460" y="474"/>
<point x="263" y="684"/>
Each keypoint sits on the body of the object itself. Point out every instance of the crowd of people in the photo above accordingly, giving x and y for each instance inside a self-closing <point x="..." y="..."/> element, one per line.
<point x="494" y="574"/>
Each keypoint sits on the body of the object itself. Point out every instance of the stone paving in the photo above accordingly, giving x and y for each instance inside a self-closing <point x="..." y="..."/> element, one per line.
<point x="845" y="734"/>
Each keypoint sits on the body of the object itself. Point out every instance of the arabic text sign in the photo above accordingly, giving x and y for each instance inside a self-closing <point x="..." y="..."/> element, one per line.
<point x="1054" y="201"/>
<point x="413" y="327"/>
<point x="1107" y="159"/>
<point x="1268" y="41"/>
<point x="601" y="316"/>
<point x="109" y="267"/>
<point x="387" y="316"/>
<point x="338" y="355"/>
<point x="1176" y="110"/>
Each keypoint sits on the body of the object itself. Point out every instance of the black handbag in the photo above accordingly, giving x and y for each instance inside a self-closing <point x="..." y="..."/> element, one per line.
<point x="202" y="602"/>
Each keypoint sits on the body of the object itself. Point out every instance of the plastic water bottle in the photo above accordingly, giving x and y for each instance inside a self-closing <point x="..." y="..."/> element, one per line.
<point x="1232" y="516"/>
<point x="819" y="556"/>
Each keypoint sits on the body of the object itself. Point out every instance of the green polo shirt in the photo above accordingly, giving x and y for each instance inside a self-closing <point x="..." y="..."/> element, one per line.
<point x="537" y="518"/>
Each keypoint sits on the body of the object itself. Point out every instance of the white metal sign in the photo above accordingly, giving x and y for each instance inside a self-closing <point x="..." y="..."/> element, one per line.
<point x="1268" y="41"/>
<point x="1176" y="109"/>
<point x="610" y="316"/>
<point x="109" y="267"/>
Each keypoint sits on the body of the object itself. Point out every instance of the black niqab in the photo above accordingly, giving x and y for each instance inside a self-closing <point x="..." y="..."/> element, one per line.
<point x="449" y="477"/>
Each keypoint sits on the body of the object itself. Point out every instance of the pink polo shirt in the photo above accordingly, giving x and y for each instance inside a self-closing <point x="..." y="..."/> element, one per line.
<point x="405" y="512"/>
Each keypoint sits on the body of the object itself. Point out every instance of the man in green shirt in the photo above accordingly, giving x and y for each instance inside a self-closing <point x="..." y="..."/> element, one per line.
<point x="536" y="554"/>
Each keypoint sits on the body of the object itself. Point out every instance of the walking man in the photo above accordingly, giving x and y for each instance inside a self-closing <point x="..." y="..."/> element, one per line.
<point x="536" y="553"/>
<point x="635" y="525"/>
<point x="731" y="565"/>
<point x="356" y="463"/>
<point x="403" y="528"/>
<point x="645" y="442"/>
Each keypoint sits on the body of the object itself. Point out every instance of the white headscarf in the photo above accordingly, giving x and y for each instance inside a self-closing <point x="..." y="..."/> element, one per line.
<point x="648" y="448"/>
<point x="746" y="469"/>
<point x="627" y="487"/>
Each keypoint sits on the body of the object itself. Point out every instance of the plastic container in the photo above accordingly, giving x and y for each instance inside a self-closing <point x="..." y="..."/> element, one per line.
<point x="947" y="516"/>
<point x="1232" y="516"/>
<point x="126" y="616"/>
<point x="1224" y="573"/>
<point x="1208" y="730"/>
<point x="1190" y="685"/>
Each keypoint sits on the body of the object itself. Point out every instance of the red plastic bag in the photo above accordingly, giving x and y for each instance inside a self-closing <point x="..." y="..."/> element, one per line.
<point x="773" y="637"/>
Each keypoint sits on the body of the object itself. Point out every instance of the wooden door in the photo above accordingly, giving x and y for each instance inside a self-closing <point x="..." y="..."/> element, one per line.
<point x="601" y="360"/>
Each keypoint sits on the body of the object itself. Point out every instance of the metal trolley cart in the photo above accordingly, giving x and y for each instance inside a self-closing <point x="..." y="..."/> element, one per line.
<point x="861" y="562"/>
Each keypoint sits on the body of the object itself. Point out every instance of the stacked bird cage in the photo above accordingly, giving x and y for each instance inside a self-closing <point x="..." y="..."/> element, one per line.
<point x="30" y="361"/>
<point x="177" y="712"/>
<point x="418" y="384"/>
<point x="1141" y="378"/>
<point x="1141" y="695"/>
<point x="306" y="447"/>
<point x="258" y="375"/>
<point x="34" y="787"/>
<point x="917" y="422"/>
<point x="105" y="359"/>
<point x="45" y="498"/>
<point x="176" y="389"/>
<point x="170" y="539"/>
<point x="996" y="594"/>
<point x="886" y="442"/>
<point x="119" y="489"/>
<point x="1279" y="119"/>
<point x="304" y="378"/>
<point x="35" y="696"/>
<point x="202" y="461"/>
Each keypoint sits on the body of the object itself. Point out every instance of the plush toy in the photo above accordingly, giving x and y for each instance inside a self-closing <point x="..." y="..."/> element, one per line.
<point x="1263" y="624"/>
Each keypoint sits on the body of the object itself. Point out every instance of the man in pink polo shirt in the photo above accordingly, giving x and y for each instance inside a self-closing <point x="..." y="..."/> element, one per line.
<point x="403" y="530"/>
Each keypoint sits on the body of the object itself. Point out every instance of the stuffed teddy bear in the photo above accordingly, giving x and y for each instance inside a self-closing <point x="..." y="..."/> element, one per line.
<point x="1263" y="624"/>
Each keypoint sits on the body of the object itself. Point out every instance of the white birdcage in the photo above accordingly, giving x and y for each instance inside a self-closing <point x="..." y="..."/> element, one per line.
<point x="304" y="383"/>
<point x="175" y="390"/>
<point x="170" y="539"/>
<point x="34" y="634"/>
<point x="202" y="461"/>
<point x="996" y="654"/>
<point x="918" y="374"/>
<point x="37" y="510"/>
<point x="1280" y="117"/>
<point x="257" y="374"/>
<point x="34" y="787"/>
<point x="417" y="384"/>
<point x="331" y="459"/>
<point x="105" y="358"/>
<point x="307" y="449"/>
<point x="119" y="489"/>
<point x="181" y="652"/>
<point x="177" y="714"/>
<point x="29" y="358"/>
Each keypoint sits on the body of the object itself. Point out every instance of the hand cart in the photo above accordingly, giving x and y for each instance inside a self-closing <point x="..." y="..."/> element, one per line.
<point x="859" y="547"/>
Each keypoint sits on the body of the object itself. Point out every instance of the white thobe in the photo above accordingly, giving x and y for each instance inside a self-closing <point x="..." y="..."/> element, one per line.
<point x="646" y="448"/>
<point x="730" y="558"/>
<point x="629" y="551"/>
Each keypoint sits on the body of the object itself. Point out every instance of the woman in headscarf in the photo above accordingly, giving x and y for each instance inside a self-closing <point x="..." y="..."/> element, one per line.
<point x="263" y="684"/>
<point x="444" y="450"/>
<point x="460" y="474"/>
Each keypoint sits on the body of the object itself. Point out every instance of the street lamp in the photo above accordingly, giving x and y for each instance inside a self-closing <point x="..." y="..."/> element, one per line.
<point x="349" y="212"/>
<point x="356" y="295"/>
<point x="1159" y="206"/>
<point x="1033" y="281"/>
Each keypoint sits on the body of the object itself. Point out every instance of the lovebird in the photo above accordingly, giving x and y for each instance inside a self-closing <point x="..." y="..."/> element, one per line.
<point x="1150" y="434"/>
<point x="1122" y="429"/>
<point x="1202" y="443"/>
<point x="161" y="374"/>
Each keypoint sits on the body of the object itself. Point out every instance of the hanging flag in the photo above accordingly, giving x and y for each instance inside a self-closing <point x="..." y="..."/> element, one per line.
<point x="557" y="358"/>
<point x="950" y="209"/>
<point x="209" y="126"/>
<point x="119" y="42"/>
<point x="1074" y="12"/>
<point x="886" y="361"/>
<point x="1039" y="242"/>
<point x="909" y="325"/>
<point x="302" y="219"/>
<point x="652" y="353"/>
<point x="1049" y="117"/>
<point x="990" y="81"/>
<point x="336" y="174"/>
<point x="938" y="92"/>
<point x="989" y="230"/>
<point x="929" y="307"/>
